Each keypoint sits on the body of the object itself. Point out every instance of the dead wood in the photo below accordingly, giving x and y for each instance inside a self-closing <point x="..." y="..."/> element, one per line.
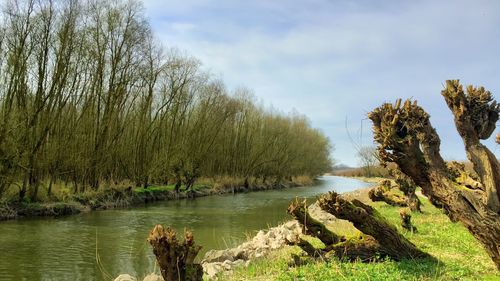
<point x="379" y="238"/>
<point x="176" y="259"/>
<point x="371" y="222"/>
<point x="406" y="220"/>
<point x="311" y="226"/>
<point x="384" y="192"/>
<point x="408" y="187"/>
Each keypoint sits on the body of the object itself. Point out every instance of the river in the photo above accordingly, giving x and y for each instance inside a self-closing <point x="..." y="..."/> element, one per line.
<point x="103" y="244"/>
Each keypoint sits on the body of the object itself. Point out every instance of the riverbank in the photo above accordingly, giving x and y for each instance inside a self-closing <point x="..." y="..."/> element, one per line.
<point x="459" y="255"/>
<point x="267" y="256"/>
<point x="112" y="198"/>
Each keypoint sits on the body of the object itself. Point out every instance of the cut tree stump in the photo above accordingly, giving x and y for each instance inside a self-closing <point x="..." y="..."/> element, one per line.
<point x="176" y="260"/>
<point x="371" y="222"/>
<point x="406" y="220"/>
<point x="311" y="226"/>
<point x="379" y="239"/>
<point x="384" y="192"/>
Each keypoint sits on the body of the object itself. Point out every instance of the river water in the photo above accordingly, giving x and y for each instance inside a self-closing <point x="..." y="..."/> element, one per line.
<point x="101" y="245"/>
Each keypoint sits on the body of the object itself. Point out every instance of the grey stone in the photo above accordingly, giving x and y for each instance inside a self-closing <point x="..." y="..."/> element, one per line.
<point x="125" y="277"/>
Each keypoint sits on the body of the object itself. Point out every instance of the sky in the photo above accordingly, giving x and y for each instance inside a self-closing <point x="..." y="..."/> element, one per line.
<point x="334" y="61"/>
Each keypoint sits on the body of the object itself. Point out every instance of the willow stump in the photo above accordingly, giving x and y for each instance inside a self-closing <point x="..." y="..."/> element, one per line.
<point x="175" y="258"/>
<point x="406" y="137"/>
<point x="379" y="239"/>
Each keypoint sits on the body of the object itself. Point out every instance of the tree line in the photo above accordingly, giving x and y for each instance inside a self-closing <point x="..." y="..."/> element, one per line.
<point x="89" y="96"/>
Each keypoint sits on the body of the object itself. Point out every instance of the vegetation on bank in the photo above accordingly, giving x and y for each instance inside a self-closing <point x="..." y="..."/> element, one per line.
<point x="89" y="99"/>
<point x="459" y="256"/>
<point x="63" y="202"/>
<point x="371" y="172"/>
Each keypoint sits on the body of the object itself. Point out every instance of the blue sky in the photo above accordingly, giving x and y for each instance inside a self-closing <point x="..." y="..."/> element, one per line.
<point x="334" y="61"/>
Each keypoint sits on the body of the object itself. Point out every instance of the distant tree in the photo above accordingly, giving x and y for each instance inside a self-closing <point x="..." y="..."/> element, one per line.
<point x="368" y="158"/>
<point x="89" y="97"/>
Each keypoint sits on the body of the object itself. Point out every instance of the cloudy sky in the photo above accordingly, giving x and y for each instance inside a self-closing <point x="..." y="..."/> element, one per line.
<point x="336" y="60"/>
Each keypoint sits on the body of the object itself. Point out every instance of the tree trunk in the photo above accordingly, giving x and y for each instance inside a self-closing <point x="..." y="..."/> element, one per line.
<point x="407" y="138"/>
<point x="176" y="260"/>
<point x="310" y="225"/>
<point x="380" y="238"/>
<point x="406" y="221"/>
<point x="370" y="222"/>
<point x="383" y="192"/>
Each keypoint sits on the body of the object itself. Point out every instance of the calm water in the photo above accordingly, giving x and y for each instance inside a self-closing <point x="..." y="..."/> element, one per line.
<point x="101" y="245"/>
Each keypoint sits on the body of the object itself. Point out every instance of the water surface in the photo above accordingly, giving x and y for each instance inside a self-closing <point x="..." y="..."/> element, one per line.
<point x="101" y="245"/>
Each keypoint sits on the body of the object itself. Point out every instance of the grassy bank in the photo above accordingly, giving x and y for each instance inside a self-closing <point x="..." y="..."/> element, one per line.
<point x="63" y="203"/>
<point x="459" y="255"/>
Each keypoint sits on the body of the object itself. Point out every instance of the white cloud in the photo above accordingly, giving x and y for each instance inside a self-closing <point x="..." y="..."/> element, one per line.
<point x="336" y="59"/>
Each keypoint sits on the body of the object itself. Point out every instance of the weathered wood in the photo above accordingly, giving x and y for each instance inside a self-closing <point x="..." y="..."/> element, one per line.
<point x="370" y="222"/>
<point x="406" y="220"/>
<point x="379" y="239"/>
<point x="475" y="117"/>
<point x="363" y="248"/>
<point x="309" y="248"/>
<point x="408" y="187"/>
<point x="176" y="260"/>
<point x="383" y="192"/>
<point x="407" y="138"/>
<point x="310" y="225"/>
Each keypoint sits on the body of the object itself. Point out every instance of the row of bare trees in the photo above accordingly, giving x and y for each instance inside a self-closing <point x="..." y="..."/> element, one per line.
<point x="88" y="96"/>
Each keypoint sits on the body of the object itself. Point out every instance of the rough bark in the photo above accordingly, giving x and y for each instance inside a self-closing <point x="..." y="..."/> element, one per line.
<point x="364" y="248"/>
<point x="176" y="260"/>
<point x="476" y="114"/>
<point x="379" y="238"/>
<point x="311" y="226"/>
<point x="370" y="222"/>
<point x="408" y="187"/>
<point x="406" y="220"/>
<point x="383" y="192"/>
<point x="407" y="138"/>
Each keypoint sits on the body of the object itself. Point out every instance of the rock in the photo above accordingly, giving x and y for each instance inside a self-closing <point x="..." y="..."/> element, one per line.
<point x="216" y="261"/>
<point x="211" y="269"/>
<point x="153" y="277"/>
<point x="239" y="254"/>
<point x="125" y="277"/>
<point x="227" y="265"/>
<point x="218" y="256"/>
<point x="238" y="263"/>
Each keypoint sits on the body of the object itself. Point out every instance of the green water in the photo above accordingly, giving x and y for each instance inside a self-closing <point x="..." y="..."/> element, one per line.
<point x="101" y="245"/>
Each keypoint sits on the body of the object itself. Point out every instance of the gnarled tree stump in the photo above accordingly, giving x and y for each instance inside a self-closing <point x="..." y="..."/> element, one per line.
<point x="406" y="220"/>
<point x="379" y="239"/>
<point x="407" y="138"/>
<point x="408" y="187"/>
<point x="310" y="225"/>
<point x="176" y="260"/>
<point x="384" y="192"/>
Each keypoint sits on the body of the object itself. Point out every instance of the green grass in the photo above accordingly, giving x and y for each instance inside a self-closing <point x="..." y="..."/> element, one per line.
<point x="170" y="187"/>
<point x="459" y="256"/>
